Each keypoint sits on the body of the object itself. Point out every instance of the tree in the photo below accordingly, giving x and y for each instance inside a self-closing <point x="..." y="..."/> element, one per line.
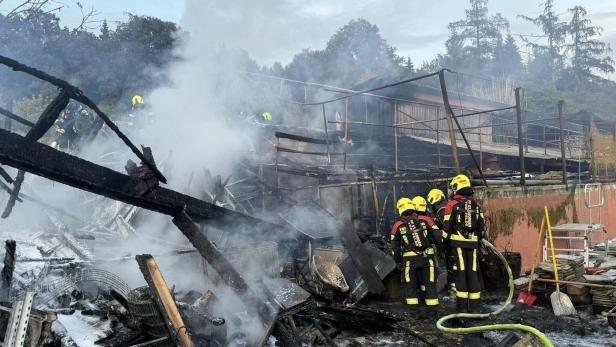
<point x="477" y="34"/>
<point x="508" y="60"/>
<point x="105" y="33"/>
<point x="588" y="53"/>
<point x="357" y="52"/>
<point x="555" y="33"/>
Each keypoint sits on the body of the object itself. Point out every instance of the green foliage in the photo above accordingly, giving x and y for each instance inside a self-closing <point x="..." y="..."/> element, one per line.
<point x="477" y="36"/>
<point x="355" y="53"/>
<point x="588" y="53"/>
<point x="109" y="67"/>
<point x="552" y="52"/>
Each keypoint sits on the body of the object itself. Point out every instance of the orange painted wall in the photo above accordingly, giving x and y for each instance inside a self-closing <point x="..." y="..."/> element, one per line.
<point x="524" y="235"/>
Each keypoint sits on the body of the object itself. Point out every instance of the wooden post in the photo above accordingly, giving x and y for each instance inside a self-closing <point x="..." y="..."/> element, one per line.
<point x="329" y="158"/>
<point x="276" y="161"/>
<point x="396" y="138"/>
<point x="346" y="130"/>
<point x="375" y="199"/>
<point x="452" y="134"/>
<point x="518" y="109"/>
<point x="563" y="157"/>
<point x="545" y="144"/>
<point x="366" y="108"/>
<point x="164" y="300"/>
<point x="480" y="143"/>
<point x="438" y="136"/>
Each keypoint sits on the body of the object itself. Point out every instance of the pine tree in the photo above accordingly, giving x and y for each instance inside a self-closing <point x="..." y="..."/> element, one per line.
<point x="508" y="60"/>
<point x="555" y="32"/>
<point x="408" y="66"/>
<point x="587" y="53"/>
<point x="481" y="31"/>
<point x="105" y="33"/>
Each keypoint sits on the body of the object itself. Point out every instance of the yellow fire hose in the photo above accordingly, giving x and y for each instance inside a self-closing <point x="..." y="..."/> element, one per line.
<point x="482" y="328"/>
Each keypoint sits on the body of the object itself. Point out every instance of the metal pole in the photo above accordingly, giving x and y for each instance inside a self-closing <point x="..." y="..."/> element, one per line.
<point x="452" y="134"/>
<point x="562" y="141"/>
<point x="518" y="109"/>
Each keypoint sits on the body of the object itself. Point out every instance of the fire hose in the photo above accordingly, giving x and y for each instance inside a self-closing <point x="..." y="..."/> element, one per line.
<point x="482" y="328"/>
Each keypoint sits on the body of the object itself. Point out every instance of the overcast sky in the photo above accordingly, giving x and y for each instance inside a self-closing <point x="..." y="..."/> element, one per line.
<point x="417" y="28"/>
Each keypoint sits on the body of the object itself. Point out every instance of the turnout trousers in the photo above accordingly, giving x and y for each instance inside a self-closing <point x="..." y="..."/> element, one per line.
<point x="467" y="285"/>
<point x="419" y="274"/>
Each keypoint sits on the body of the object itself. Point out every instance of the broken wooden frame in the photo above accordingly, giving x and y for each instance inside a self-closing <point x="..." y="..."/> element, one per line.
<point x="77" y="95"/>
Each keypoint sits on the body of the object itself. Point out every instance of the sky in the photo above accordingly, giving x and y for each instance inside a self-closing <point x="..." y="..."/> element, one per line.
<point x="417" y="28"/>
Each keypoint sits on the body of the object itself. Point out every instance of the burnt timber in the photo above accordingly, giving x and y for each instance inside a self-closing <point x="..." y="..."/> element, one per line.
<point x="42" y="160"/>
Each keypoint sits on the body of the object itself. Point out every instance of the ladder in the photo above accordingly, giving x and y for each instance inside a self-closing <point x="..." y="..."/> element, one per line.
<point x="593" y="199"/>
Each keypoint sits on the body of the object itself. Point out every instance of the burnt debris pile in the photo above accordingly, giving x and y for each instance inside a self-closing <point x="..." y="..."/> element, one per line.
<point x="251" y="261"/>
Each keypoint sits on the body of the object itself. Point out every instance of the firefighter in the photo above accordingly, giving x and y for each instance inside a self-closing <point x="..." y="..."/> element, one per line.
<point x="411" y="249"/>
<point x="267" y="117"/>
<point x="433" y="233"/>
<point x="138" y="102"/>
<point x="463" y="227"/>
<point x="436" y="203"/>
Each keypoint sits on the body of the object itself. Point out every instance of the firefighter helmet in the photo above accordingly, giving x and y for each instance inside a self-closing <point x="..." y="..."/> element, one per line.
<point x="137" y="100"/>
<point x="420" y="204"/>
<point x="404" y="204"/>
<point x="267" y="116"/>
<point x="435" y="195"/>
<point x="459" y="182"/>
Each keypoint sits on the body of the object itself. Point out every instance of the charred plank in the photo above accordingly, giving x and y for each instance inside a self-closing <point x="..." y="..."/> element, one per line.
<point x="45" y="121"/>
<point x="44" y="161"/>
<point x="209" y="252"/>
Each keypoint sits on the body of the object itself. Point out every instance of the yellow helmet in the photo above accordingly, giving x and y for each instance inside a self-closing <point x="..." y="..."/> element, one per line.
<point x="459" y="182"/>
<point x="404" y="204"/>
<point x="266" y="116"/>
<point x="137" y="99"/>
<point x="420" y="204"/>
<point x="435" y="195"/>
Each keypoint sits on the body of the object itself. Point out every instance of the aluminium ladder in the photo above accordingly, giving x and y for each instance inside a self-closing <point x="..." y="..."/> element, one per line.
<point x="593" y="199"/>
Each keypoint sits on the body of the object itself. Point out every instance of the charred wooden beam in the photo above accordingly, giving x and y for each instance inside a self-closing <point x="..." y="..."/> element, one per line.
<point x="209" y="252"/>
<point x="77" y="95"/>
<point x="6" y="276"/>
<point x="43" y="124"/>
<point x="6" y="176"/>
<point x="10" y="115"/>
<point x="282" y="135"/>
<point x="164" y="301"/>
<point x="45" y="161"/>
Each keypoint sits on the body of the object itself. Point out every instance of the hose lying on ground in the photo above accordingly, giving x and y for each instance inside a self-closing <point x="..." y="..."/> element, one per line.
<point x="481" y="328"/>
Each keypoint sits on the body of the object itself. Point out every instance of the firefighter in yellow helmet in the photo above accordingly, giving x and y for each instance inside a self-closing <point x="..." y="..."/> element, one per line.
<point x="410" y="245"/>
<point x="436" y="209"/>
<point x="463" y="227"/>
<point x="267" y="117"/>
<point x="433" y="234"/>
<point x="137" y="102"/>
